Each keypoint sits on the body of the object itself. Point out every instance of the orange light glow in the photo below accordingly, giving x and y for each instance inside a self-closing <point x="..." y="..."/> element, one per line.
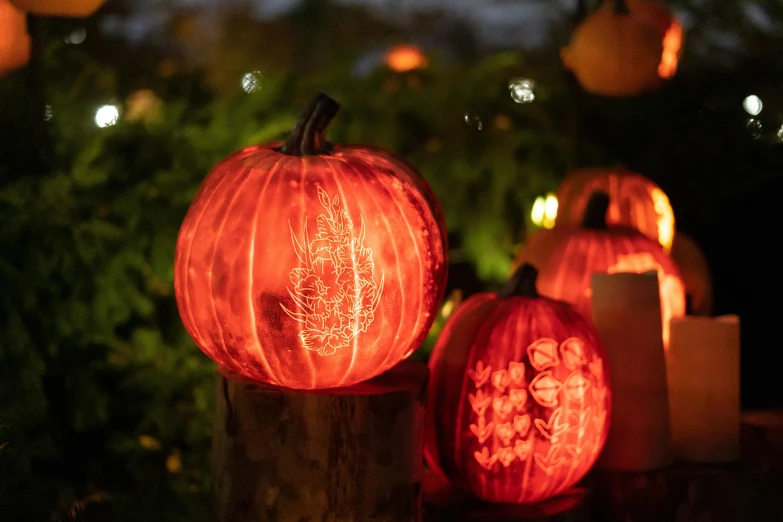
<point x="672" y="43"/>
<point x="312" y="271"/>
<point x="405" y="58"/>
<point x="519" y="398"/>
<point x="672" y="291"/>
<point x="73" y="8"/>
<point x="14" y="40"/>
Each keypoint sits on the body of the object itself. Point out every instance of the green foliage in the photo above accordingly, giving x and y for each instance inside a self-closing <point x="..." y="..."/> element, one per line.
<point x="104" y="400"/>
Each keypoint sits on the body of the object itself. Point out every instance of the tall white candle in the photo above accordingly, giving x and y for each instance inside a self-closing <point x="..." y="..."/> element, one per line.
<point x="627" y="314"/>
<point x="703" y="368"/>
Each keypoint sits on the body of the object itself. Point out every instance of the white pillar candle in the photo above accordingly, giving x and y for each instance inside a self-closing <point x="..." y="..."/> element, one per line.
<point x="703" y="368"/>
<point x="627" y="314"/>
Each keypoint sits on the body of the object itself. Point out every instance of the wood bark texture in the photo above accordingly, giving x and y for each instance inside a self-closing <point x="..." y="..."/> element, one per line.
<point x="349" y="454"/>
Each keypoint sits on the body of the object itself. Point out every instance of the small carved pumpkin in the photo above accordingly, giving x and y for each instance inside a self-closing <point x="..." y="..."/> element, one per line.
<point x="569" y="256"/>
<point x="519" y="398"/>
<point x="308" y="265"/>
<point x="695" y="273"/>
<point x="613" y="53"/>
<point x="14" y="40"/>
<point x="405" y="58"/>
<point x="70" y="8"/>
<point x="634" y="201"/>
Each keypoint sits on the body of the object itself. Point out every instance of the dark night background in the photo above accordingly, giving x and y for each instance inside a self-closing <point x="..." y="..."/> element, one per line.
<point x="104" y="400"/>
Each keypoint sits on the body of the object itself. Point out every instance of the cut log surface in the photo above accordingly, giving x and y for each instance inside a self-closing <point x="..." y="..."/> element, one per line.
<point x="750" y="490"/>
<point x="348" y="454"/>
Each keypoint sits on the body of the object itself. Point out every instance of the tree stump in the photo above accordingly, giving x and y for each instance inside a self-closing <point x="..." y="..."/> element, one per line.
<point x="748" y="490"/>
<point x="347" y="454"/>
<point x="444" y="504"/>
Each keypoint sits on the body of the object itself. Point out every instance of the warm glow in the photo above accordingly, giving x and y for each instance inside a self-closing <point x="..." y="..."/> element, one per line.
<point x="672" y="291"/>
<point x="519" y="422"/>
<point x="672" y="42"/>
<point x="753" y="105"/>
<point x="14" y="39"/>
<point x="406" y="58"/>
<point x="538" y="211"/>
<point x="106" y="116"/>
<point x="665" y="218"/>
<point x="310" y="271"/>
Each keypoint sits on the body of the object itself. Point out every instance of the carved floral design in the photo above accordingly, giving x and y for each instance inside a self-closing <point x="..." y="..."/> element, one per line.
<point x="334" y="290"/>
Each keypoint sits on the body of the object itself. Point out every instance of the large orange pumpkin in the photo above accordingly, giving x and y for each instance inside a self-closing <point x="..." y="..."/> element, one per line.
<point x="569" y="256"/>
<point x="613" y="53"/>
<point x="634" y="201"/>
<point x="14" y="40"/>
<point x="70" y="8"/>
<point x="308" y="265"/>
<point x="519" y="398"/>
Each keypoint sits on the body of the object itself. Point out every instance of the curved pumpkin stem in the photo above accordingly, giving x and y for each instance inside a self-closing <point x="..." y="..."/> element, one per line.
<point x="308" y="138"/>
<point x="595" y="212"/>
<point x="521" y="284"/>
<point x="621" y="8"/>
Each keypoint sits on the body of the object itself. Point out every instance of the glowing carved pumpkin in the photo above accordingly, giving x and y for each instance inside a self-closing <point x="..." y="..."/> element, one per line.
<point x="405" y="58"/>
<point x="634" y="201"/>
<point x="613" y="53"/>
<point x="14" y="40"/>
<point x="568" y="256"/>
<point x="670" y="31"/>
<point x="71" y="8"/>
<point x="309" y="265"/>
<point x="695" y="273"/>
<point x="519" y="397"/>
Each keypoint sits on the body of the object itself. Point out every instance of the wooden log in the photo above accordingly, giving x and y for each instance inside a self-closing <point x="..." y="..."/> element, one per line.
<point x="445" y="504"/>
<point x="348" y="454"/>
<point x="744" y="491"/>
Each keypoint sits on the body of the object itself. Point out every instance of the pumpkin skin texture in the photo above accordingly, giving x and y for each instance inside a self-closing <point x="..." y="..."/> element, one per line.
<point x="695" y="274"/>
<point x="570" y="255"/>
<point x="634" y="201"/>
<point x="14" y="40"/>
<point x="519" y="399"/>
<point x="614" y="54"/>
<point x="309" y="265"/>
<point x="69" y="8"/>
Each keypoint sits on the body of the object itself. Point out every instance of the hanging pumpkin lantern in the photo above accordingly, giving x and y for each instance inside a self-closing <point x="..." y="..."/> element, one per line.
<point x="405" y="58"/>
<point x="69" y="8"/>
<point x="669" y="28"/>
<point x="695" y="273"/>
<point x="634" y="201"/>
<point x="519" y="398"/>
<point x="569" y="256"/>
<point x="14" y="40"/>
<point x="310" y="265"/>
<point x="613" y="53"/>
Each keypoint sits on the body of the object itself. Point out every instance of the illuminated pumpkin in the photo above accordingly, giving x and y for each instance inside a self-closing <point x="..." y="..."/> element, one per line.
<point x="695" y="273"/>
<point x="405" y="58"/>
<point x="613" y="53"/>
<point x="568" y="256"/>
<point x="634" y="201"/>
<point x="14" y="40"/>
<point x="70" y="8"/>
<point x="310" y="265"/>
<point x="519" y="398"/>
<point x="670" y="30"/>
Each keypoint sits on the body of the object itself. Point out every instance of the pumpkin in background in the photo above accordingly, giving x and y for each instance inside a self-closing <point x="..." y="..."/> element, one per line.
<point x="310" y="265"/>
<point x="568" y="256"/>
<point x="634" y="201"/>
<point x="613" y="53"/>
<point x="695" y="273"/>
<point x="670" y="30"/>
<point x="405" y="58"/>
<point x="70" y="8"/>
<point x="14" y="40"/>
<point x="519" y="398"/>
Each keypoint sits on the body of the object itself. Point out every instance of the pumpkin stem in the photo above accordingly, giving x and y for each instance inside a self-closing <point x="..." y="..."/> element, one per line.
<point x="521" y="284"/>
<point x="595" y="213"/>
<point x="621" y="8"/>
<point x="308" y="136"/>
